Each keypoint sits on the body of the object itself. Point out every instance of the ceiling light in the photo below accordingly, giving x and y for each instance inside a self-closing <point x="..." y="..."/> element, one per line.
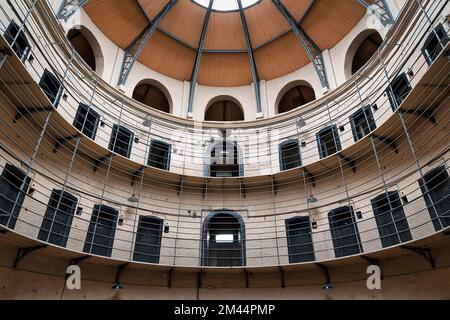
<point x="117" y="287"/>
<point x="327" y="286"/>
<point x="133" y="199"/>
<point x="312" y="199"/>
<point x="301" y="122"/>
<point x="147" y="122"/>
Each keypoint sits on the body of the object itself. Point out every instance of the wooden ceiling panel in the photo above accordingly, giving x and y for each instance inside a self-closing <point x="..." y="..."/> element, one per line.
<point x="274" y="24"/>
<point x="120" y="20"/>
<point x="225" y="70"/>
<point x="152" y="7"/>
<point x="225" y="31"/>
<point x="280" y="57"/>
<point x="185" y="22"/>
<point x="330" y="21"/>
<point x="298" y="8"/>
<point x="167" y="56"/>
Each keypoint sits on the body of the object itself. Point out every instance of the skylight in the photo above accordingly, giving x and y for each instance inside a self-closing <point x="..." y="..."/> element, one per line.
<point x="226" y="5"/>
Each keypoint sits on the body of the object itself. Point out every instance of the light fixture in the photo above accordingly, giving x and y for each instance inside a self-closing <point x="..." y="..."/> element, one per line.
<point x="133" y="199"/>
<point x="147" y="121"/>
<point x="65" y="96"/>
<point x="301" y="122"/>
<point x="327" y="286"/>
<point x="312" y="199"/>
<point x="117" y="286"/>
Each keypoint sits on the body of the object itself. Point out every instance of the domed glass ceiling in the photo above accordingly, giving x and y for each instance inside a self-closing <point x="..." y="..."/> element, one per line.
<point x="226" y="5"/>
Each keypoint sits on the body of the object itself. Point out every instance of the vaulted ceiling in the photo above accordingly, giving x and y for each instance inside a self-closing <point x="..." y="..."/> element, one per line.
<point x="225" y="61"/>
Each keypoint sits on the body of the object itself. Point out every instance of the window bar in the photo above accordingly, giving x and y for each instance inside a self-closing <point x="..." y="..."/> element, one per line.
<point x="416" y="160"/>
<point x="69" y="169"/>
<point x="180" y="193"/>
<point x="141" y="182"/>
<point x="273" y="195"/>
<point x="381" y="175"/>
<point x="108" y="172"/>
<point x="433" y="30"/>
<point x="41" y="135"/>
<point x="344" y="182"/>
<point x="408" y="138"/>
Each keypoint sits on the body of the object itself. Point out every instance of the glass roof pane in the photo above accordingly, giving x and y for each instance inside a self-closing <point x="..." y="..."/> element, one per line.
<point x="226" y="5"/>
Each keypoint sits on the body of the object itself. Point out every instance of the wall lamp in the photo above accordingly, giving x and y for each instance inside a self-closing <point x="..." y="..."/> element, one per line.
<point x="133" y="199"/>
<point x="312" y="199"/>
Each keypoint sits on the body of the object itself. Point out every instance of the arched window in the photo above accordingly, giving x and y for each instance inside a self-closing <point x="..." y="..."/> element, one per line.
<point x="148" y="239"/>
<point x="152" y="94"/>
<point x="328" y="141"/>
<point x="102" y="230"/>
<point x="295" y="95"/>
<point x="224" y="109"/>
<point x="299" y="240"/>
<point x="82" y="46"/>
<point x="436" y="191"/>
<point x="366" y="49"/>
<point x="391" y="220"/>
<point x="344" y="231"/>
<point x="11" y="196"/>
<point x="290" y="155"/>
<point x="224" y="159"/>
<point x="87" y="47"/>
<point x="58" y="218"/>
<point x="398" y="90"/>
<point x="223" y="239"/>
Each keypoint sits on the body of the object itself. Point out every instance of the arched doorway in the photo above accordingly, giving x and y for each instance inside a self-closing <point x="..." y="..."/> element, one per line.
<point x="223" y="239"/>
<point x="224" y="159"/>
<point x="153" y="95"/>
<point x="295" y="95"/>
<point x="224" y="109"/>
<point x="87" y="47"/>
<point x="361" y="50"/>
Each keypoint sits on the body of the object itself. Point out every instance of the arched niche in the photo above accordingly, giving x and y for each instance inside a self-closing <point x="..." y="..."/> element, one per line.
<point x="223" y="239"/>
<point x="224" y="108"/>
<point x="224" y="159"/>
<point x="153" y="94"/>
<point x="294" y="95"/>
<point x="363" y="47"/>
<point x="87" y="47"/>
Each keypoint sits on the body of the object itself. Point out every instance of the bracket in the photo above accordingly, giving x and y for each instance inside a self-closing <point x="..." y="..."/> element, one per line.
<point x="136" y="174"/>
<point x="23" y="252"/>
<point x="180" y="185"/>
<point x="311" y="177"/>
<point x="22" y="112"/>
<point x="205" y="189"/>
<point x="326" y="273"/>
<point x="350" y="162"/>
<point x="424" y="252"/>
<point x="77" y="261"/>
<point x="274" y="185"/>
<point x="62" y="141"/>
<point x="242" y="188"/>
<point x="374" y="261"/>
<point x="426" y="114"/>
<point x="247" y="278"/>
<point x="97" y="162"/>
<point x="119" y="272"/>
<point x="282" y="278"/>
<point x="388" y="141"/>
<point x="200" y="279"/>
<point x="170" y="278"/>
